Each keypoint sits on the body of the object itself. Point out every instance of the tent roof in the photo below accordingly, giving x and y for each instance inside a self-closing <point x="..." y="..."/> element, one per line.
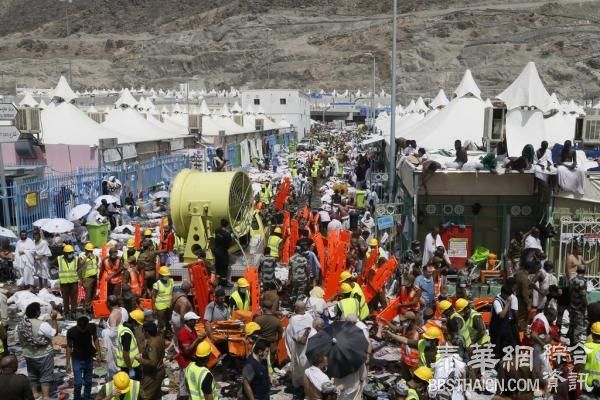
<point x="63" y="123"/>
<point x="488" y="103"/>
<point x="441" y="100"/>
<point x="63" y="90"/>
<point x="42" y="104"/>
<point x="461" y="119"/>
<point x="553" y="103"/>
<point x="204" y="110"/>
<point x="225" y="111"/>
<point x="526" y="91"/>
<point x="130" y="122"/>
<point x="410" y="108"/>
<point x="467" y="86"/>
<point x="236" y="109"/>
<point x="126" y="99"/>
<point x="420" y="106"/>
<point x="28" y="101"/>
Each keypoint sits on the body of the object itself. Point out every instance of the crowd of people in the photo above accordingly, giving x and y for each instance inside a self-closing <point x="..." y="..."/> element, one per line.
<point x="335" y="298"/>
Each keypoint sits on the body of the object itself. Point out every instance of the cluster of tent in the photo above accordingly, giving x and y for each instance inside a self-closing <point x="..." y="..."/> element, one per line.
<point x="347" y="94"/>
<point x="532" y="115"/>
<point x="133" y="121"/>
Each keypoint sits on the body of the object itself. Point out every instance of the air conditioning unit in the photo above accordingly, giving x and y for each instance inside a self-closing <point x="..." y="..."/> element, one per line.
<point x="259" y="125"/>
<point x="238" y="119"/>
<point x="28" y="120"/>
<point x="195" y="121"/>
<point x="97" y="116"/>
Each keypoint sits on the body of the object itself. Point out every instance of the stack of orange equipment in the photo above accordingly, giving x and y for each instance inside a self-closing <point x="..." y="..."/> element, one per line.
<point x="138" y="236"/>
<point x="293" y="236"/>
<point x="252" y="277"/>
<point x="99" y="306"/>
<point x="282" y="194"/>
<point x="382" y="275"/>
<point x="285" y="229"/>
<point x="387" y="315"/>
<point x="368" y="265"/>
<point x="200" y="285"/>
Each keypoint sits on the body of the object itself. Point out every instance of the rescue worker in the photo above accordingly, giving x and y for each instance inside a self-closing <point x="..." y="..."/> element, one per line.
<point x="314" y="173"/>
<point x="148" y="236"/>
<point x="127" y="349"/>
<point x="427" y="346"/>
<point x="146" y="263"/>
<point x="275" y="243"/>
<point x="130" y="252"/>
<point x="348" y="304"/>
<point x="357" y="292"/>
<point x="132" y="277"/>
<point x="578" y="306"/>
<point x="113" y="272"/>
<point x="266" y="267"/>
<point x="199" y="380"/>
<point x="473" y="321"/>
<point x="67" y="275"/>
<point x="251" y="335"/>
<point x="87" y="270"/>
<point x="298" y="276"/>
<point x="137" y="326"/>
<point x="417" y="387"/>
<point x="121" y="387"/>
<point x="151" y="360"/>
<point x="264" y="196"/>
<point x="410" y="356"/>
<point x="456" y="329"/>
<point x="162" y="292"/>
<point x="240" y="299"/>
<point x="374" y="247"/>
<point x="592" y="363"/>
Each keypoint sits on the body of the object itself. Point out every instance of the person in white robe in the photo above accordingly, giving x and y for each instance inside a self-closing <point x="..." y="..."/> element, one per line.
<point x="542" y="161"/>
<point x="41" y="254"/>
<point x="296" y="336"/>
<point x="24" y="259"/>
<point x="432" y="240"/>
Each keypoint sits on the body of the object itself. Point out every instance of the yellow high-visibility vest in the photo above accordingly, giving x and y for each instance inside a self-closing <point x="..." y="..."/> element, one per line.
<point x="194" y="377"/>
<point x="133" y="348"/>
<point x="164" y="295"/>
<point x="242" y="305"/>
<point x="67" y="271"/>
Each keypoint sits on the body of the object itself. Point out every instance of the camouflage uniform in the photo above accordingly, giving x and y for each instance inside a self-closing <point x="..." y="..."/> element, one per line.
<point x="463" y="284"/>
<point x="266" y="267"/>
<point x="298" y="266"/>
<point x="577" y="309"/>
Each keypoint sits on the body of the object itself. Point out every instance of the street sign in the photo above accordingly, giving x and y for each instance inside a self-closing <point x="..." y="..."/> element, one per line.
<point x="8" y="111"/>
<point x="9" y="134"/>
<point x="385" y="222"/>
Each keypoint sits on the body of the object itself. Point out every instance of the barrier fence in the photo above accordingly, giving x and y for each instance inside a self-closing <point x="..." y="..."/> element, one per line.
<point x="54" y="195"/>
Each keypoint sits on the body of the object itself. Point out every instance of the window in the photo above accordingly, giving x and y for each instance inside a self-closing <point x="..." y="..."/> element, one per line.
<point x="257" y="102"/>
<point x="282" y="102"/>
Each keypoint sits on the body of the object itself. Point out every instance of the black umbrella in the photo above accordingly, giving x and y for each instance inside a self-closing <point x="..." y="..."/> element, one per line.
<point x="345" y="346"/>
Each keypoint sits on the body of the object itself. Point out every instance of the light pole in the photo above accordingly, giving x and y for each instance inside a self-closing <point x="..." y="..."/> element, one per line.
<point x="68" y="34"/>
<point x="372" y="94"/>
<point x="269" y="59"/>
<point x="392" y="166"/>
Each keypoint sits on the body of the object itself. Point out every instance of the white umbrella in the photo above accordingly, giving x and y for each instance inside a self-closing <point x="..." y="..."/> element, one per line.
<point x="40" y="222"/>
<point x="79" y="211"/>
<point x="57" y="225"/>
<point x="109" y="199"/>
<point x="7" y="233"/>
<point x="163" y="194"/>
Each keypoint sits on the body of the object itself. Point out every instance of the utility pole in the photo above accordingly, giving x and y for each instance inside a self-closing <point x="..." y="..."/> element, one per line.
<point x="372" y="94"/>
<point x="392" y="165"/>
<point x="68" y="34"/>
<point x="269" y="58"/>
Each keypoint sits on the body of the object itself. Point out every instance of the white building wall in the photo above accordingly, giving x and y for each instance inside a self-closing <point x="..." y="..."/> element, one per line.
<point x="281" y="104"/>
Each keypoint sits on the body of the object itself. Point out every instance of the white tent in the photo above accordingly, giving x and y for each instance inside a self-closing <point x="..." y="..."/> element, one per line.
<point x="526" y="91"/>
<point x="204" y="110"/>
<point x="225" y="111"/>
<point x="42" y="105"/>
<point x="410" y="108"/>
<point x="420" y="106"/>
<point x="63" y="90"/>
<point x="28" y="101"/>
<point x="553" y="103"/>
<point x="440" y="100"/>
<point x="526" y="99"/>
<point x="129" y="122"/>
<point x="236" y="109"/>
<point x="488" y="103"/>
<point x="467" y="86"/>
<point x="126" y="99"/>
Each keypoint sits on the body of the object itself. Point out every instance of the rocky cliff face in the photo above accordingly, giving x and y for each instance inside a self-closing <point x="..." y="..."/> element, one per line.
<point x="308" y="44"/>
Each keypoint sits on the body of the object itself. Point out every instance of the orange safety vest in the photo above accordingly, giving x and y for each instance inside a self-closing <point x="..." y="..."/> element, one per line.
<point x="407" y="296"/>
<point x="108" y="267"/>
<point x="410" y="356"/>
<point x="134" y="282"/>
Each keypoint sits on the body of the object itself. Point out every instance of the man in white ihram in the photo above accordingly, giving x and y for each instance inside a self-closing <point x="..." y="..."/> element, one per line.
<point x="24" y="259"/>
<point x="432" y="241"/>
<point x="296" y="336"/>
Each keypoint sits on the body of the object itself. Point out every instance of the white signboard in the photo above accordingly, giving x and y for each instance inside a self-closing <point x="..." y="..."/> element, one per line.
<point x="8" y="111"/>
<point x="9" y="134"/>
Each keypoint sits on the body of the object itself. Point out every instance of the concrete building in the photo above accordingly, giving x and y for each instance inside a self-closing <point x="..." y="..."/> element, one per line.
<point x="290" y="105"/>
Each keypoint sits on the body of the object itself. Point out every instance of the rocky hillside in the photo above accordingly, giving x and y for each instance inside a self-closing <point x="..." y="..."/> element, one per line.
<point x="307" y="44"/>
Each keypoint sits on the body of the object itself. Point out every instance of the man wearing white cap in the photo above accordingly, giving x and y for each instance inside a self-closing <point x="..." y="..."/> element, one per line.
<point x="187" y="340"/>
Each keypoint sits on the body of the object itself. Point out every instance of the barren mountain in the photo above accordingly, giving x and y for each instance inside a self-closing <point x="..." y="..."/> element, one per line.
<point x="300" y="43"/>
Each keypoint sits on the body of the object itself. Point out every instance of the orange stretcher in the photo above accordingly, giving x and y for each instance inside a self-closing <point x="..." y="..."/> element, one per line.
<point x="253" y="278"/>
<point x="282" y="194"/>
<point x="382" y="275"/>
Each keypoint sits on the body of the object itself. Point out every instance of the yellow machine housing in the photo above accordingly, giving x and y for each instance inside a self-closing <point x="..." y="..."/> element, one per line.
<point x="198" y="202"/>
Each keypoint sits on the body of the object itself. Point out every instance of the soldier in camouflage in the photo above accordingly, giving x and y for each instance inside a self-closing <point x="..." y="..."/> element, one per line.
<point x="298" y="276"/>
<point x="463" y="281"/>
<point x="266" y="268"/>
<point x="578" y="307"/>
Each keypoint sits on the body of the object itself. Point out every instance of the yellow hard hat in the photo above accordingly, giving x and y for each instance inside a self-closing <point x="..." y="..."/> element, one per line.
<point x="121" y="381"/>
<point x="444" y="305"/>
<point x="89" y="247"/>
<point x="432" y="333"/>
<point x="424" y="373"/>
<point x="345" y="288"/>
<point x="203" y="349"/>
<point x="243" y="283"/>
<point x="164" y="271"/>
<point x="147" y="232"/>
<point x="277" y="230"/>
<point x="461" y="304"/>
<point x="131" y="243"/>
<point x="68" y="249"/>
<point x="137" y="315"/>
<point x="251" y="327"/>
<point x="373" y="242"/>
<point x="596" y="328"/>
<point x="345" y="275"/>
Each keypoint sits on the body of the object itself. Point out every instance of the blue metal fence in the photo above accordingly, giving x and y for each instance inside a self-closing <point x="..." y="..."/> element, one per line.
<point x="54" y="195"/>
